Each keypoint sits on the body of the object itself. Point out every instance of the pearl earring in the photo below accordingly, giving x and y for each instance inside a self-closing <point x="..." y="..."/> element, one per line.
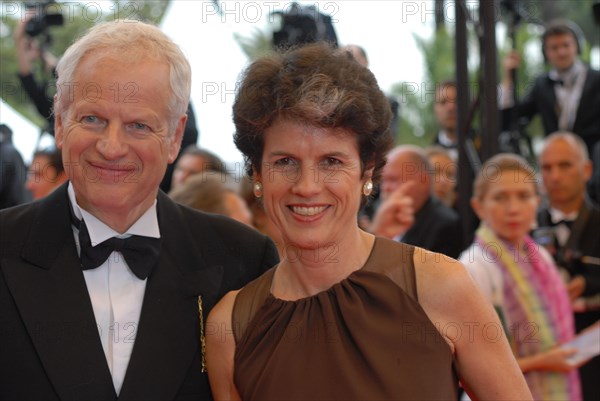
<point x="368" y="187"/>
<point x="258" y="189"/>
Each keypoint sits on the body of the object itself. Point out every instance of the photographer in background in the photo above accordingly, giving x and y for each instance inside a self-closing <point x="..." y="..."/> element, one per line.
<point x="30" y="50"/>
<point x="568" y="228"/>
<point x="567" y="97"/>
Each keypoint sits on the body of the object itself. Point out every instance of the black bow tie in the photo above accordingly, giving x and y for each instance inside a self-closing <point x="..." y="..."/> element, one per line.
<point x="568" y="223"/>
<point x="140" y="253"/>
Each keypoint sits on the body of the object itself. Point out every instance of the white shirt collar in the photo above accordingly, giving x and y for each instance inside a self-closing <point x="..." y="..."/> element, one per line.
<point x="569" y="76"/>
<point x="146" y="225"/>
<point x="557" y="215"/>
<point x="445" y="139"/>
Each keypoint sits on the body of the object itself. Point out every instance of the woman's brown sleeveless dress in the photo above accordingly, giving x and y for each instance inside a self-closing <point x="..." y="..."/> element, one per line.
<point x="365" y="338"/>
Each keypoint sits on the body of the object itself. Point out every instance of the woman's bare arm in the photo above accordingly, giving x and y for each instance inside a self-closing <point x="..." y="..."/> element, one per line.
<point x="467" y="321"/>
<point x="220" y="349"/>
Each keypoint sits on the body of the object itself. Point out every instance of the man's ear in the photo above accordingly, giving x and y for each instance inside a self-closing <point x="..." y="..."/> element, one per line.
<point x="175" y="142"/>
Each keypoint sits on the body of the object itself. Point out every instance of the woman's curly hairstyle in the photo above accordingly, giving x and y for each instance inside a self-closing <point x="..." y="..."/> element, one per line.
<point x="314" y="85"/>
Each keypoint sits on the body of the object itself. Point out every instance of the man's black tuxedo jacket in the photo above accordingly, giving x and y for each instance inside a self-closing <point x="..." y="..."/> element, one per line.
<point x="436" y="228"/>
<point x="587" y="225"/>
<point x="542" y="100"/>
<point x="49" y="343"/>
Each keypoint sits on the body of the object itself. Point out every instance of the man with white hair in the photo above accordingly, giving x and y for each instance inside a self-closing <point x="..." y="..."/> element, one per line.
<point x="105" y="283"/>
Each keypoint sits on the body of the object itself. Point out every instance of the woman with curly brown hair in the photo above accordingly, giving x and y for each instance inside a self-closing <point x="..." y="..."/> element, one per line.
<point x="345" y="315"/>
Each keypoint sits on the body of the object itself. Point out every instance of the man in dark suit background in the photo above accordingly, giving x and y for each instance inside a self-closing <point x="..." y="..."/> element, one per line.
<point x="444" y="109"/>
<point x="13" y="172"/>
<point x="569" y="229"/>
<point x="567" y="97"/>
<point x="435" y="226"/>
<point x="105" y="283"/>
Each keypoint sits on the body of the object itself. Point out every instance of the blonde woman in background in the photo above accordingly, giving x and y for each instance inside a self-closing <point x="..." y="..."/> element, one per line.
<point x="520" y="278"/>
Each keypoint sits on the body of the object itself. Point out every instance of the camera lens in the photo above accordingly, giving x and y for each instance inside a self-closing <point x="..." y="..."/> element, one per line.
<point x="43" y="19"/>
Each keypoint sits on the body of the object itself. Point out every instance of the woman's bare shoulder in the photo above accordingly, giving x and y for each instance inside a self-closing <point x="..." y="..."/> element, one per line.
<point x="447" y="292"/>
<point x="221" y="312"/>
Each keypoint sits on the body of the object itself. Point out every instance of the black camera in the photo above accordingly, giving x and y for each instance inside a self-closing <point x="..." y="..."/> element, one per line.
<point x="45" y="18"/>
<point x="303" y="24"/>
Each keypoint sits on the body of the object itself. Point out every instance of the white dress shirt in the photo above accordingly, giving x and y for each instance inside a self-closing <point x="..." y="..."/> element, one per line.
<point x="568" y="94"/>
<point x="562" y="231"/>
<point x="450" y="145"/>
<point x="115" y="292"/>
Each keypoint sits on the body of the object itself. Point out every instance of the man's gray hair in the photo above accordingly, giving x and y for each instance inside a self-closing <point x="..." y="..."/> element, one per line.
<point x="130" y="41"/>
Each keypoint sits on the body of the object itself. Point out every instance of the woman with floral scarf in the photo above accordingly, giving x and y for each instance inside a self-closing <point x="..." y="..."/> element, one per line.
<point x="520" y="279"/>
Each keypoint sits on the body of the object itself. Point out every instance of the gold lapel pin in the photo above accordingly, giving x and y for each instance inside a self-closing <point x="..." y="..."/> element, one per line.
<point x="202" y="338"/>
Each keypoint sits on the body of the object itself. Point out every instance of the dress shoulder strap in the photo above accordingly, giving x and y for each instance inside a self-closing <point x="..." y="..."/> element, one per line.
<point x="248" y="301"/>
<point x="395" y="260"/>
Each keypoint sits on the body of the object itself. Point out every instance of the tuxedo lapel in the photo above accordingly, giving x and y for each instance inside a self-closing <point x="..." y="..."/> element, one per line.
<point x="548" y="97"/>
<point x="167" y="344"/>
<point x="49" y="289"/>
<point x="583" y="216"/>
<point x="586" y="93"/>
